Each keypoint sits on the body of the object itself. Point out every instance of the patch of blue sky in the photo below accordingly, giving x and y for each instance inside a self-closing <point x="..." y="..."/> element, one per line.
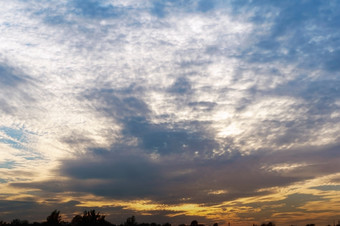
<point x="30" y="45"/>
<point x="328" y="188"/>
<point x="55" y="19"/>
<point x="7" y="165"/>
<point x="2" y="181"/>
<point x="16" y="138"/>
<point x="16" y="134"/>
<point x="37" y="157"/>
<point x="6" y="24"/>
<point x="11" y="143"/>
<point x="53" y="15"/>
<point x="94" y="9"/>
<point x="160" y="8"/>
<point x="205" y="5"/>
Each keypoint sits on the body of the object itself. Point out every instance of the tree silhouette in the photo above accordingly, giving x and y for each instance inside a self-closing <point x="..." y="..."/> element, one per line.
<point x="130" y="221"/>
<point x="194" y="223"/>
<point x="54" y="218"/>
<point x="77" y="220"/>
<point x="19" y="222"/>
<point x="89" y="218"/>
<point x="268" y="224"/>
<point x="93" y="218"/>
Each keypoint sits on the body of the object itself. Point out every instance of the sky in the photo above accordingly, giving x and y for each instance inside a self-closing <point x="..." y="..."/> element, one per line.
<point x="171" y="110"/>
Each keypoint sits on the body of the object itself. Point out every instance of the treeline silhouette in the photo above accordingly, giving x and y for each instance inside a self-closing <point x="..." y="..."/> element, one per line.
<point x="89" y="218"/>
<point x="93" y="218"/>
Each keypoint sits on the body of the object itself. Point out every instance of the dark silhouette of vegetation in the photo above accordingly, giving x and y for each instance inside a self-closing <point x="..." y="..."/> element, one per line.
<point x="93" y="218"/>
<point x="194" y="223"/>
<point x="268" y="224"/>
<point x="130" y="221"/>
<point x="89" y="218"/>
<point x="19" y="222"/>
<point x="54" y="218"/>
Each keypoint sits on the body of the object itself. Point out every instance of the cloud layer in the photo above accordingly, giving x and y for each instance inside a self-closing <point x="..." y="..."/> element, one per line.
<point x="224" y="111"/>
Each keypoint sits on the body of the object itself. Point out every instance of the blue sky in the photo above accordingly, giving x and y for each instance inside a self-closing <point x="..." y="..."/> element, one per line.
<point x="220" y="111"/>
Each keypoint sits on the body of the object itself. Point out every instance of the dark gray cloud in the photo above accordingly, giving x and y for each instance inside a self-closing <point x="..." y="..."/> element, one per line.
<point x="10" y="209"/>
<point x="134" y="116"/>
<point x="291" y="203"/>
<point x="163" y="139"/>
<point x="9" y="77"/>
<point x="118" y="104"/>
<point x="180" y="86"/>
<point x="15" y="87"/>
<point x="169" y="180"/>
<point x="33" y="211"/>
<point x="173" y="180"/>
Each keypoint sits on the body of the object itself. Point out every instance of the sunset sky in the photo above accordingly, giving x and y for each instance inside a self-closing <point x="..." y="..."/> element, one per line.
<point x="171" y="110"/>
